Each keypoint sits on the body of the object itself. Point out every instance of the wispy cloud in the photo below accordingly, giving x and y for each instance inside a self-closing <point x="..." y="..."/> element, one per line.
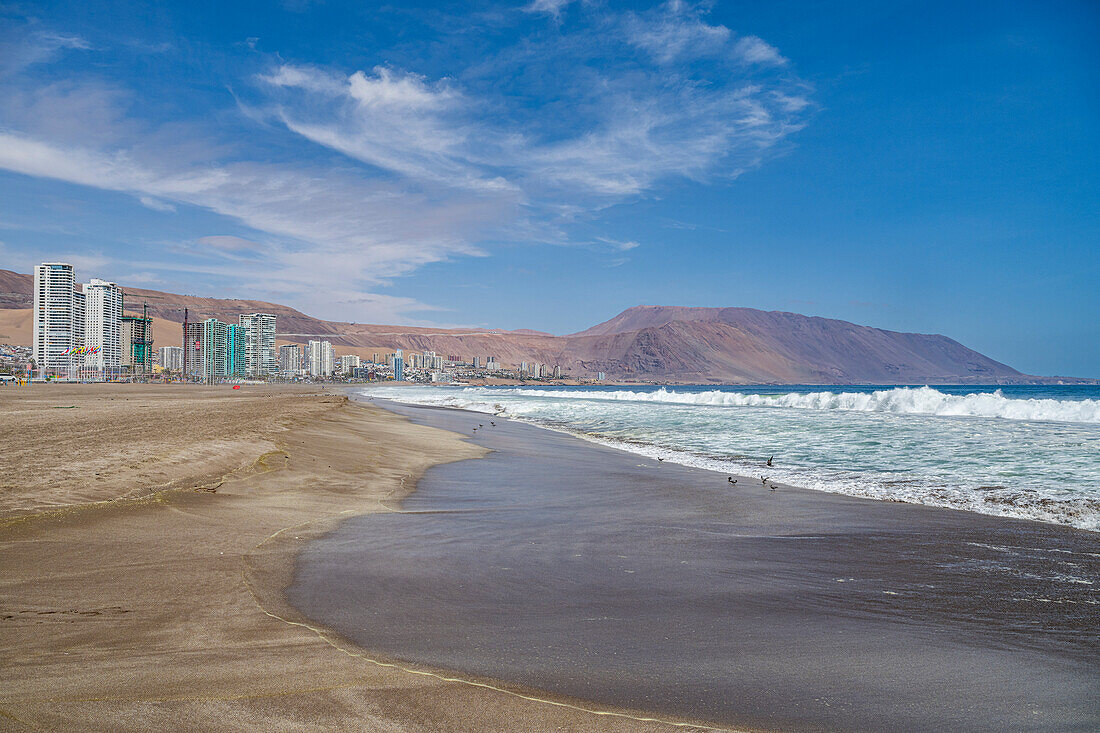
<point x="757" y="51"/>
<point x="675" y="30"/>
<point x="617" y="123"/>
<point x="549" y="7"/>
<point x="141" y="278"/>
<point x="619" y="245"/>
<point x="156" y="204"/>
<point x="397" y="168"/>
<point x="229" y="242"/>
<point x="23" y="44"/>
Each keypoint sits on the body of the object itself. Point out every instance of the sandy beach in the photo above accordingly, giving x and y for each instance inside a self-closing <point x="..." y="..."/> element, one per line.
<point x="568" y="566"/>
<point x="147" y="535"/>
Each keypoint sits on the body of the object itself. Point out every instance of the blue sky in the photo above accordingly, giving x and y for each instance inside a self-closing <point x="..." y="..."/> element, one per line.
<point x="917" y="166"/>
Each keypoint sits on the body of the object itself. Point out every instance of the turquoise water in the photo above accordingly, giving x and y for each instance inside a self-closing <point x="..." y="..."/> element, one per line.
<point x="1022" y="451"/>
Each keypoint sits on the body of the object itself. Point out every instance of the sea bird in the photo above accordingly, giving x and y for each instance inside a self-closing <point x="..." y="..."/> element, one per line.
<point x="770" y="460"/>
<point x="772" y="487"/>
<point x="659" y="458"/>
<point x="492" y="423"/>
<point x="764" y="479"/>
<point x="731" y="479"/>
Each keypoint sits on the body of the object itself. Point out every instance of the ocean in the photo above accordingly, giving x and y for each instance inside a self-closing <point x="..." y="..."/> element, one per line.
<point x="556" y="565"/>
<point x="1029" y="452"/>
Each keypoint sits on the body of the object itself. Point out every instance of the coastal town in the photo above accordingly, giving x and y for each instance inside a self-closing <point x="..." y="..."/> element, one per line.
<point x="82" y="332"/>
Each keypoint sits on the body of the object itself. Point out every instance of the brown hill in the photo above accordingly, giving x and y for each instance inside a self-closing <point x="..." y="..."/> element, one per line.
<point x="646" y="343"/>
<point x="744" y="344"/>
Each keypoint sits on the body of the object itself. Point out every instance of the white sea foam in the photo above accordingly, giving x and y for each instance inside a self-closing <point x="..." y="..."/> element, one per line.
<point x="985" y="452"/>
<point x="899" y="400"/>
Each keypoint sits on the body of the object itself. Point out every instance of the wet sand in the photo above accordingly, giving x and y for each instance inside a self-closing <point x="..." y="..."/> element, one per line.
<point x="147" y="534"/>
<point x="565" y="566"/>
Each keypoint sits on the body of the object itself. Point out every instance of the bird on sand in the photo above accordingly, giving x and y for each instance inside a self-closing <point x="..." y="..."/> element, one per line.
<point x="659" y="458"/>
<point x="764" y="479"/>
<point x="772" y="487"/>
<point x="492" y="423"/>
<point x="731" y="479"/>
<point x="770" y="460"/>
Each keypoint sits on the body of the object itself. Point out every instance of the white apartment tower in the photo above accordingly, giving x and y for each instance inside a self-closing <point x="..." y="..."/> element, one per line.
<point x="171" y="358"/>
<point x="58" y="316"/>
<point x="102" y="312"/>
<point x="319" y="358"/>
<point x="260" y="357"/>
<point x="289" y="360"/>
<point x="348" y="362"/>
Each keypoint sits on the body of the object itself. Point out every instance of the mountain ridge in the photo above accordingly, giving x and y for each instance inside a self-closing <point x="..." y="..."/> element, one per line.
<point x="671" y="344"/>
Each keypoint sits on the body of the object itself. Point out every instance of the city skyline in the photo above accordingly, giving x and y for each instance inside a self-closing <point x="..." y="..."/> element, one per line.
<point x="83" y="334"/>
<point x="560" y="159"/>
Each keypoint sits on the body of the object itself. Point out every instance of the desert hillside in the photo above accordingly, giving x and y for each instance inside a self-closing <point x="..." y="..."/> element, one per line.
<point x="645" y="343"/>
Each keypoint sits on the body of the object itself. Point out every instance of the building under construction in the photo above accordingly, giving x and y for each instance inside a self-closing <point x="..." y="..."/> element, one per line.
<point x="136" y="342"/>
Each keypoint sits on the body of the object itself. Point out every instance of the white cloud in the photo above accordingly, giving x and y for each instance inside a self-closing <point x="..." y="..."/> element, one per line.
<point x="674" y="31"/>
<point x="394" y="120"/>
<point x="337" y="228"/>
<point x="229" y="242"/>
<point x="25" y="46"/>
<point x="156" y="204"/>
<point x="754" y="50"/>
<point x="549" y="7"/>
<point x="618" y="245"/>
<point x="140" y="278"/>
<point x="431" y="168"/>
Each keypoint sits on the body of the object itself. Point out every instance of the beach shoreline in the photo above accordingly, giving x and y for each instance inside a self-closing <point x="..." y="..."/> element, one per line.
<point x="142" y="601"/>
<point x="148" y="603"/>
<point x="932" y="589"/>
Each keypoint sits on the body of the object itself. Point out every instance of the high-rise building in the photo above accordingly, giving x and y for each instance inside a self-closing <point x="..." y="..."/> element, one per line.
<point x="235" y="338"/>
<point x="192" y="349"/>
<point x="290" y="360"/>
<point x="58" y="318"/>
<point x="398" y="366"/>
<point x="523" y="369"/>
<point x="102" y="317"/>
<point x="319" y="358"/>
<point x="135" y="336"/>
<point x="348" y="362"/>
<point x="477" y="362"/>
<point x="170" y="358"/>
<point x="215" y="344"/>
<point x="557" y="371"/>
<point x="259" y="348"/>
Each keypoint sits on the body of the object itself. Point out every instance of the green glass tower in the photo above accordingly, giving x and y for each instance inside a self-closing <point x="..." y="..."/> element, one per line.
<point x="235" y="351"/>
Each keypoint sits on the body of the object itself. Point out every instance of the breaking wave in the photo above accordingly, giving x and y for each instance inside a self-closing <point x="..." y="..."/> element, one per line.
<point x="1030" y="455"/>
<point x="898" y="400"/>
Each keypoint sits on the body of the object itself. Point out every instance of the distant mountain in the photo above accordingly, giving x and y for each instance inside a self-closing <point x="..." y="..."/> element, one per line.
<point x="672" y="344"/>
<point x="748" y="345"/>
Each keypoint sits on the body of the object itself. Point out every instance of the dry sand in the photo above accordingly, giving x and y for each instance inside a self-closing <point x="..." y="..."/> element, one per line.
<point x="149" y="596"/>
